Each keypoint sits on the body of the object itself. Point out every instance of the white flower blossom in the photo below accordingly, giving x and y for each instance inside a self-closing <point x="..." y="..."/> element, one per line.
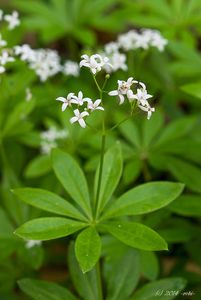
<point x="32" y="243"/>
<point x="2" y="42"/>
<point x="79" y="100"/>
<point x="5" y="58"/>
<point x="117" y="62"/>
<point x="147" y="108"/>
<point x="49" y="139"/>
<point x="123" y="89"/>
<point x="111" y="48"/>
<point x="94" y="62"/>
<point x="25" y="52"/>
<point x="141" y="96"/>
<point x="79" y="117"/>
<point x="71" y="68"/>
<point x="13" y="20"/>
<point x="2" y="69"/>
<point x="94" y="105"/>
<point x="67" y="101"/>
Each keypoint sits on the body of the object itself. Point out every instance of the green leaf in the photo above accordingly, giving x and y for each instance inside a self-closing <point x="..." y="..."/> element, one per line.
<point x="193" y="89"/>
<point x="145" y="198"/>
<point x="44" y="290"/>
<point x="88" y="248"/>
<point x="186" y="173"/>
<point x="159" y="289"/>
<point x="132" y="170"/>
<point x="124" y="276"/>
<point x="48" y="228"/>
<point x="48" y="201"/>
<point x="130" y="131"/>
<point x="149" y="265"/>
<point x="39" y="166"/>
<point x="136" y="235"/>
<point x="72" y="178"/>
<point x="85" y="283"/>
<point x="152" y="128"/>
<point x="187" y="205"/>
<point x="111" y="173"/>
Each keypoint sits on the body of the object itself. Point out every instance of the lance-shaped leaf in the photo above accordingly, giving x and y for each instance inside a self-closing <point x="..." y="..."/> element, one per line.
<point x="44" y="290"/>
<point x="159" y="289"/>
<point x="48" y="201"/>
<point x="48" y="228"/>
<point x="145" y="198"/>
<point x="187" y="205"/>
<point x="111" y="173"/>
<point x="72" y="178"/>
<point x="88" y="248"/>
<point x="136" y="235"/>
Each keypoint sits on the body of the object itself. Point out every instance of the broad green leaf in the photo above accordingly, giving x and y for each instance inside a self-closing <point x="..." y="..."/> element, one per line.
<point x="38" y="166"/>
<point x="149" y="265"/>
<point x="72" y="178"/>
<point x="48" y="228"/>
<point x="88" y="248"/>
<point x="86" y="284"/>
<point x="177" y="129"/>
<point x="159" y="289"/>
<point x="187" y="205"/>
<point x="145" y="198"/>
<point x="132" y="170"/>
<point x="48" y="201"/>
<point x="136" y="235"/>
<point x="186" y="173"/>
<point x="44" y="290"/>
<point x="193" y="89"/>
<point x="124" y="276"/>
<point x="111" y="173"/>
<point x="130" y="131"/>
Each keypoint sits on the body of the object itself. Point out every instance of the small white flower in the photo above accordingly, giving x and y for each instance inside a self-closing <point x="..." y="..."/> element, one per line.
<point x="67" y="101"/>
<point x="2" y="42"/>
<point x="94" y="62"/>
<point x="142" y="96"/>
<point x="71" y="68"/>
<point x="5" y="58"/>
<point x="95" y="105"/>
<point x="147" y="108"/>
<point x="117" y="62"/>
<point x="25" y="52"/>
<point x="31" y="243"/>
<point x="79" y="99"/>
<point x="111" y="48"/>
<point x="13" y="20"/>
<point x="79" y="117"/>
<point x="2" y="69"/>
<point x="123" y="89"/>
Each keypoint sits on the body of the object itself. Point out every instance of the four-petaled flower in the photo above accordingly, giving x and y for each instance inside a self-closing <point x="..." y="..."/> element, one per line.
<point x="13" y="20"/>
<point x="67" y="101"/>
<point x="79" y="99"/>
<point x="123" y="89"/>
<point x="141" y="96"/>
<point x="147" y="108"/>
<point x="94" y="105"/>
<point x="5" y="58"/>
<point x="94" y="62"/>
<point x="79" y="117"/>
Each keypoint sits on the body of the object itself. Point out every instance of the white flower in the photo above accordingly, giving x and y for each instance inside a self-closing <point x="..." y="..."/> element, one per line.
<point x="117" y="61"/>
<point x="147" y="108"/>
<point x="25" y="52"/>
<point x="141" y="96"/>
<point x="94" y="62"/>
<point x="79" y="117"/>
<point x="123" y="89"/>
<point x="95" y="105"/>
<point x="79" y="99"/>
<point x="28" y="94"/>
<point x="2" y="69"/>
<point x="71" y="68"/>
<point x="31" y="243"/>
<point x="67" y="101"/>
<point x="49" y="139"/>
<point x="5" y="58"/>
<point x="111" y="48"/>
<point x="2" y="42"/>
<point x="13" y="20"/>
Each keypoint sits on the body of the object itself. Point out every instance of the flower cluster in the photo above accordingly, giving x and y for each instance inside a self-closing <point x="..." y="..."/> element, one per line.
<point x="5" y="57"/>
<point x="12" y="20"/>
<point x="45" y="62"/>
<point x="49" y="139"/>
<point x="141" y="96"/>
<point x="80" y="102"/>
<point x="95" y="62"/>
<point x="71" y="68"/>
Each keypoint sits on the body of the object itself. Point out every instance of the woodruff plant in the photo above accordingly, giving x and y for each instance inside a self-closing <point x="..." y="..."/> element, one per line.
<point x="93" y="214"/>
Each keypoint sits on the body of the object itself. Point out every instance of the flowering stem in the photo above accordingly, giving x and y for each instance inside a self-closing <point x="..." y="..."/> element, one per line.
<point x="96" y="82"/>
<point x="99" y="283"/>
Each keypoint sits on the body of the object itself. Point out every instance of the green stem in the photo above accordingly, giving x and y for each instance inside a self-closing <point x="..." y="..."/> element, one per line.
<point x="98" y="86"/>
<point x="146" y="173"/>
<point x="99" y="283"/>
